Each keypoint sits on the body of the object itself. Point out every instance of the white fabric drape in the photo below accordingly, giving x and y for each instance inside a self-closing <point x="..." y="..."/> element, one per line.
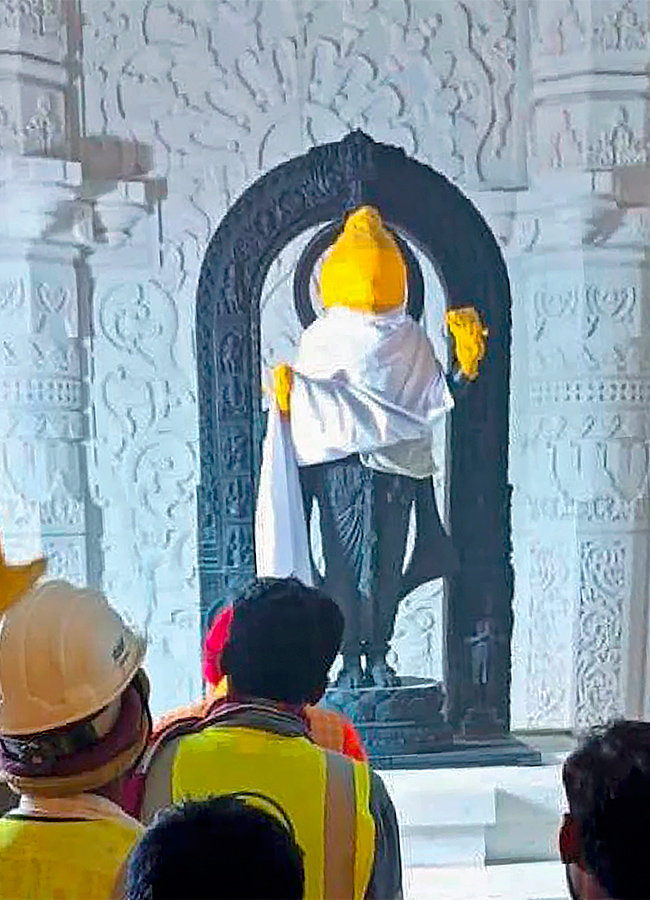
<point x="367" y="384"/>
<point x="281" y="540"/>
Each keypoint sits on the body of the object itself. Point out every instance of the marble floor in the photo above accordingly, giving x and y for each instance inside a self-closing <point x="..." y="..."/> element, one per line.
<point x="516" y="881"/>
<point x="485" y="833"/>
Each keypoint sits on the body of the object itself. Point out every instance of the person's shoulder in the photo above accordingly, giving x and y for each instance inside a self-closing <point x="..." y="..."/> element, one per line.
<point x="169" y="721"/>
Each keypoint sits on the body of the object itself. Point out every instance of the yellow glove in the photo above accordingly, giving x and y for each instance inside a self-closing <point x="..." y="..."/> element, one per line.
<point x="282" y="384"/>
<point x="469" y="336"/>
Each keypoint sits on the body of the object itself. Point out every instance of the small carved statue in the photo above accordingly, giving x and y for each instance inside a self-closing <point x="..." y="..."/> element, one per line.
<point x="482" y="646"/>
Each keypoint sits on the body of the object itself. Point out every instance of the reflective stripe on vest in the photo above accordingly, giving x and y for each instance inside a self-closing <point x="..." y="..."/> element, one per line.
<point x="70" y="860"/>
<point x="336" y="833"/>
<point x="340" y="819"/>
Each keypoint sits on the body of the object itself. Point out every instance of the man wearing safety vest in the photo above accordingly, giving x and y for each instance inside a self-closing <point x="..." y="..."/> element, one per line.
<point x="74" y="718"/>
<point x="327" y="727"/>
<point x="283" y="639"/>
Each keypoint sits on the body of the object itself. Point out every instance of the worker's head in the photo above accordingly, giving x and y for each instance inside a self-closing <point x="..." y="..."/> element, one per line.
<point x="74" y="710"/>
<point x="604" y="836"/>
<point x="365" y="270"/>
<point x="283" y="640"/>
<point x="225" y="847"/>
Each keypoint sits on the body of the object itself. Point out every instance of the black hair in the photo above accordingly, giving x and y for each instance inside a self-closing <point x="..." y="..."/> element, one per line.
<point x="223" y="848"/>
<point x="607" y="782"/>
<point x="283" y="641"/>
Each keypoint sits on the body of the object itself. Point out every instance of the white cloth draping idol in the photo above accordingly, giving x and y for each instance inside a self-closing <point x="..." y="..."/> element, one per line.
<point x="363" y="383"/>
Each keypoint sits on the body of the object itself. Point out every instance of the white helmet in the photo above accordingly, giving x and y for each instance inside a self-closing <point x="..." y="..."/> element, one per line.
<point x="65" y="653"/>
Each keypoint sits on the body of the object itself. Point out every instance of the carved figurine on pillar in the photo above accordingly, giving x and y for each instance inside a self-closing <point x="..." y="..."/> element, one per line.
<point x="483" y="647"/>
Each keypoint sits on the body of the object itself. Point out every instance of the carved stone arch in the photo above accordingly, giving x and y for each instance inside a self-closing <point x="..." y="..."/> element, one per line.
<point x="315" y="189"/>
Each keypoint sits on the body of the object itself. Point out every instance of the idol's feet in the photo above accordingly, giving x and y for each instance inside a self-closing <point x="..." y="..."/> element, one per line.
<point x="351" y="676"/>
<point x="382" y="675"/>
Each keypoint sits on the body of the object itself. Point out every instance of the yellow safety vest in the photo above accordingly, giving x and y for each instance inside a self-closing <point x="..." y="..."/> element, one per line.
<point x="62" y="860"/>
<point x="325" y="795"/>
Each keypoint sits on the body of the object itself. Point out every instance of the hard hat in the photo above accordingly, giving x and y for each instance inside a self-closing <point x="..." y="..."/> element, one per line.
<point x="365" y="269"/>
<point x="65" y="653"/>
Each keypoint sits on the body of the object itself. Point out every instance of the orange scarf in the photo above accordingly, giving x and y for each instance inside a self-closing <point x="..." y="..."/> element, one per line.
<point x="327" y="728"/>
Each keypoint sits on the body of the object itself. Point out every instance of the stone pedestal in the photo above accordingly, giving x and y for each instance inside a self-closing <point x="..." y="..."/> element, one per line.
<point x="398" y="721"/>
<point x="406" y="727"/>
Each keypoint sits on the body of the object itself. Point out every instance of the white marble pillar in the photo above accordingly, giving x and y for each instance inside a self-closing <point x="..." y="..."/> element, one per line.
<point x="581" y="370"/>
<point x="44" y="503"/>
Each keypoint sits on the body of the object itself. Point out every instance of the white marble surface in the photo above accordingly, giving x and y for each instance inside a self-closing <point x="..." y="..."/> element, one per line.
<point x="480" y="834"/>
<point x="522" y="881"/>
<point x="481" y="816"/>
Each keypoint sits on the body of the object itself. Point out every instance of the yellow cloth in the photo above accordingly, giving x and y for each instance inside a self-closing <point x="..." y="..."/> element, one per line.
<point x="282" y="382"/>
<point x="289" y="770"/>
<point x="45" y="860"/>
<point x="469" y="336"/>
<point x="365" y="269"/>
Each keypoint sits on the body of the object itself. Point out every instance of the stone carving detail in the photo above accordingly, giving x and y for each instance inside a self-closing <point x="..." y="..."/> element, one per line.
<point x="607" y="321"/>
<point x="598" y="648"/>
<point x="562" y="28"/>
<point x="34" y="17"/>
<point x="622" y="30"/>
<point x="143" y="469"/>
<point x="52" y="301"/>
<point x="365" y="68"/>
<point x="43" y="130"/>
<point x="12" y="295"/>
<point x="9" y="130"/>
<point x="548" y="622"/>
<point x="66" y="559"/>
<point x="616" y="145"/>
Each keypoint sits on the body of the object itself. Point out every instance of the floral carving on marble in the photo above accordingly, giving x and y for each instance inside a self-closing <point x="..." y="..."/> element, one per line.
<point x="12" y="295"/>
<point x="548" y="641"/>
<point x="599" y="639"/>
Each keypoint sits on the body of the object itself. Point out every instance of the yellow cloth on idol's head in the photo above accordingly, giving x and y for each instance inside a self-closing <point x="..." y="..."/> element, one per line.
<point x="365" y="270"/>
<point x="470" y="337"/>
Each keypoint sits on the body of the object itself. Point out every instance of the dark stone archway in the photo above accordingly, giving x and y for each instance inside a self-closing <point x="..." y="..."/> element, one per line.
<point x="424" y="206"/>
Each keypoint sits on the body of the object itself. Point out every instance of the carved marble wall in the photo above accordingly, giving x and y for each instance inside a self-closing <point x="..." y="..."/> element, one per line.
<point x="581" y="381"/>
<point x="215" y="93"/>
<point x="63" y="199"/>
